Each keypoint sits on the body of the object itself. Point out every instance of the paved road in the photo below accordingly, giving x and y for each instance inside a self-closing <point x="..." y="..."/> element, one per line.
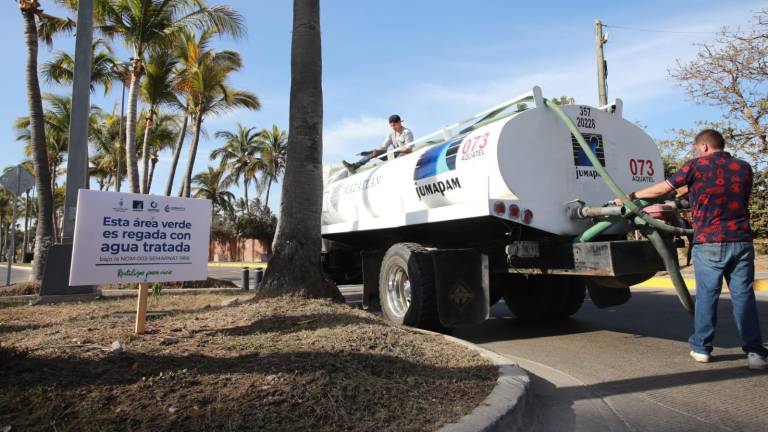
<point x="627" y="368"/>
<point x="229" y="273"/>
<point x="18" y="274"/>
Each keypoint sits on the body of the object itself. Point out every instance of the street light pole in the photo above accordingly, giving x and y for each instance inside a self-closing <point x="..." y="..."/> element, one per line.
<point x="77" y="158"/>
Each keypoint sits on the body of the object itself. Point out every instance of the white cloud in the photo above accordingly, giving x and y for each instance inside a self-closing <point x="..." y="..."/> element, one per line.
<point x="351" y="135"/>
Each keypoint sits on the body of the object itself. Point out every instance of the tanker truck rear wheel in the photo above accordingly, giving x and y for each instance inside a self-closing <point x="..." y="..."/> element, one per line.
<point x="407" y="287"/>
<point x="545" y="298"/>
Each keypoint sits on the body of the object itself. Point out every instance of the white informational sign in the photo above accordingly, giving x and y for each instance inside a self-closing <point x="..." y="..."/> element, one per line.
<point x="134" y="238"/>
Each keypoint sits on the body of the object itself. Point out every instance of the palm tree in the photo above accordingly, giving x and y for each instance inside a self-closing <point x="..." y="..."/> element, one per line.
<point x="43" y="26"/>
<point x="295" y="266"/>
<point x="204" y="84"/>
<point x="157" y="89"/>
<point x="149" y="25"/>
<point x="104" y="69"/>
<point x="239" y="155"/>
<point x="56" y="119"/>
<point x="30" y="209"/>
<point x="212" y="185"/>
<point x="105" y="137"/>
<point x="273" y="150"/>
<point x="164" y="131"/>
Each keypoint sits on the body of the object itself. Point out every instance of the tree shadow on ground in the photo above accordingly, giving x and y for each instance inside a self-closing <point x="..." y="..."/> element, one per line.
<point x="292" y="324"/>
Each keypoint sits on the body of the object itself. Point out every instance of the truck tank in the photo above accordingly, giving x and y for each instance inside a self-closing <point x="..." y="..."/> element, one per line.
<point x="511" y="162"/>
<point x="506" y="203"/>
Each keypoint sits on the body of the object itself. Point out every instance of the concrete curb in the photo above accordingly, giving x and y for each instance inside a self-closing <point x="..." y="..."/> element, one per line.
<point x="666" y="283"/>
<point x="112" y="293"/>
<point x="504" y="408"/>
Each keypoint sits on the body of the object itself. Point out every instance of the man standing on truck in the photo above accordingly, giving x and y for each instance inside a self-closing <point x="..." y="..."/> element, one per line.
<point x="397" y="139"/>
<point x="719" y="187"/>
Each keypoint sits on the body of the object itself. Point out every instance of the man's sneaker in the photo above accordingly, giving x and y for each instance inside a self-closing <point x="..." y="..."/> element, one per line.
<point x="699" y="357"/>
<point x="756" y="361"/>
<point x="349" y="166"/>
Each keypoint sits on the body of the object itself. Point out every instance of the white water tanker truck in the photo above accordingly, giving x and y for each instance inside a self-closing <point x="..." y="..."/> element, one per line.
<point x="512" y="203"/>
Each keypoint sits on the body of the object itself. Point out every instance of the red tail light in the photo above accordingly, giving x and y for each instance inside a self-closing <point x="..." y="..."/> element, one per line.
<point x="514" y="211"/>
<point x="499" y="207"/>
<point x="527" y="216"/>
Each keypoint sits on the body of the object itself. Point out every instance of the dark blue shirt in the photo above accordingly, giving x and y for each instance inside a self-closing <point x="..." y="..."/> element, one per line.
<point x="719" y="186"/>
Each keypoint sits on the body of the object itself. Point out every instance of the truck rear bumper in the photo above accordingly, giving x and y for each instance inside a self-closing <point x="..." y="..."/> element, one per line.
<point x="606" y="258"/>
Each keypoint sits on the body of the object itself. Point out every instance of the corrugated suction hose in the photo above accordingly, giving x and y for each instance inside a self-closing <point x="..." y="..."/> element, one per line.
<point x="645" y="222"/>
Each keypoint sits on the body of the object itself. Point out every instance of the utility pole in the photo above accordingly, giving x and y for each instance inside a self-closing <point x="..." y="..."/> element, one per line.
<point x="77" y="158"/>
<point x="56" y="277"/>
<point x="602" y="66"/>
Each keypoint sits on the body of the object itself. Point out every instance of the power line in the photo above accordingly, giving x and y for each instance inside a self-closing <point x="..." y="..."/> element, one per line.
<point x="662" y="31"/>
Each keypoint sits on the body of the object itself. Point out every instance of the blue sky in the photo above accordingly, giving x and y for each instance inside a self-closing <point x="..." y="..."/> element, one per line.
<point x="434" y="62"/>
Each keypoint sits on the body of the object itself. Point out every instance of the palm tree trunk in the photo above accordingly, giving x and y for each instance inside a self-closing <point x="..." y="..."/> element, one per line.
<point x="25" y="243"/>
<point x="39" y="151"/>
<point x="132" y="169"/>
<point x="269" y="186"/>
<point x="151" y="173"/>
<point x="295" y="266"/>
<point x="187" y="186"/>
<point x="145" y="154"/>
<point x="177" y="153"/>
<point x="245" y="184"/>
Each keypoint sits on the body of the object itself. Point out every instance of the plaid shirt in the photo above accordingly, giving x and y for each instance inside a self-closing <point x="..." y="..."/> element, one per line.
<point x="719" y="186"/>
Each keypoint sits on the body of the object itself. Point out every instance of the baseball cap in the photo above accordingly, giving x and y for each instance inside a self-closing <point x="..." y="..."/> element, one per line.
<point x="394" y="118"/>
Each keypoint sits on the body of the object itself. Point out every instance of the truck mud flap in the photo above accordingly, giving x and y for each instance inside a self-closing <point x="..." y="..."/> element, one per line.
<point x="371" y="268"/>
<point x="461" y="284"/>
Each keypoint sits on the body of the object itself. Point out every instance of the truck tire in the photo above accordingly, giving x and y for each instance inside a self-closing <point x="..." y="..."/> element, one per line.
<point x="543" y="298"/>
<point x="407" y="287"/>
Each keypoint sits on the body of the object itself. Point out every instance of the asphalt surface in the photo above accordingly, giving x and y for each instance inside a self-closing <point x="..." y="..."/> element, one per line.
<point x="625" y="368"/>
<point x="18" y="274"/>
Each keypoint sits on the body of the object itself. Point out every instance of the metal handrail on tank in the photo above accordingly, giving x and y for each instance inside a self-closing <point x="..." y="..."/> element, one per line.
<point x="446" y="132"/>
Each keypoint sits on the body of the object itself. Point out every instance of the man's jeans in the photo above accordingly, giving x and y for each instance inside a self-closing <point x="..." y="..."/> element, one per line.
<point x="736" y="262"/>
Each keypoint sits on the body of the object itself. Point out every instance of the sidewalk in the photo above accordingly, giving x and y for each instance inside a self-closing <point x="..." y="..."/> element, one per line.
<point x="260" y="265"/>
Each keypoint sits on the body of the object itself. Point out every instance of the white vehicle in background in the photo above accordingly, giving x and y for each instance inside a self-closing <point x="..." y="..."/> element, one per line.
<point x="498" y="205"/>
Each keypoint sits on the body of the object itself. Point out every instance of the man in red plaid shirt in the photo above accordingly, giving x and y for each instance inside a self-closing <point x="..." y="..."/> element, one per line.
<point x="719" y="186"/>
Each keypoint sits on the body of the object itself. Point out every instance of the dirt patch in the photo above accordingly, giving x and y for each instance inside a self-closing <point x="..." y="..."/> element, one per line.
<point x="279" y="364"/>
<point x="27" y="288"/>
<point x="21" y="288"/>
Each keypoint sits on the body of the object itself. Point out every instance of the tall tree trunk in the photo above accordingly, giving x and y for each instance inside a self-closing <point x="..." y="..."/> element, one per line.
<point x="151" y="172"/>
<point x="39" y="151"/>
<point x="177" y="153"/>
<point x="187" y="186"/>
<point x="54" y="215"/>
<point x="132" y="169"/>
<point x="25" y="243"/>
<point x="145" y="154"/>
<point x="3" y="241"/>
<point x="269" y="186"/>
<point x="295" y="266"/>
<point x="247" y="206"/>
